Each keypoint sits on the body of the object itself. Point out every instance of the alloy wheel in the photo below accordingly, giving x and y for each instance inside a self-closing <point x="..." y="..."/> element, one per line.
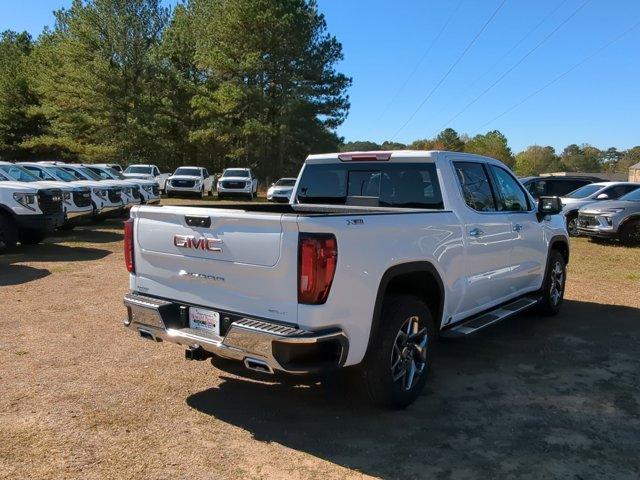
<point x="409" y="354"/>
<point x="557" y="283"/>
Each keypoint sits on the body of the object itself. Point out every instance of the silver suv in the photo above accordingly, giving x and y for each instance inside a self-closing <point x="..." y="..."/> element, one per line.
<point x="613" y="219"/>
<point x="594" y="192"/>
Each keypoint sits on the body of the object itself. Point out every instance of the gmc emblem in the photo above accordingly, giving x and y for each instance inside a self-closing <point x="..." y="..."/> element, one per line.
<point x="202" y="243"/>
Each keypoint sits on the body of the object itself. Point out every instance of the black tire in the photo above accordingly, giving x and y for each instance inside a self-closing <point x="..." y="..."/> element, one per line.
<point x="67" y="227"/>
<point x="220" y="196"/>
<point x="553" y="286"/>
<point x="391" y="345"/>
<point x="169" y="195"/>
<point x="572" y="224"/>
<point x="211" y="192"/>
<point x="630" y="234"/>
<point x="31" y="237"/>
<point x="8" y="233"/>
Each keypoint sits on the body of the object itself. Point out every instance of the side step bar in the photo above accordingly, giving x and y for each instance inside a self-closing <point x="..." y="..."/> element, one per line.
<point x="483" y="320"/>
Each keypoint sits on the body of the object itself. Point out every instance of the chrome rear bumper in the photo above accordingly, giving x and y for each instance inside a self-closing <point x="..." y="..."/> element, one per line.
<point x="250" y="340"/>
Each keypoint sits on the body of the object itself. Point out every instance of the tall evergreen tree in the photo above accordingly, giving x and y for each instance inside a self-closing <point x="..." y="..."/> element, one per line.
<point x="98" y="80"/>
<point x="17" y="124"/>
<point x="269" y="91"/>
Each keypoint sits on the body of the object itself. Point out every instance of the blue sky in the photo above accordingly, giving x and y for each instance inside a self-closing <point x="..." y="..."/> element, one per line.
<point x="386" y="48"/>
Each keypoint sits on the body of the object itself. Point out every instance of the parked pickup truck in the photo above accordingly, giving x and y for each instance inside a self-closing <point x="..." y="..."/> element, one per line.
<point x="27" y="212"/>
<point x="375" y="256"/>
<point x="148" y="172"/>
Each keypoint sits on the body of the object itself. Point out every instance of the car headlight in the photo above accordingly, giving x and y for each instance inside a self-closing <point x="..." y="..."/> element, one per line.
<point x="101" y="193"/>
<point x="66" y="196"/>
<point x="25" y="199"/>
<point x="148" y="188"/>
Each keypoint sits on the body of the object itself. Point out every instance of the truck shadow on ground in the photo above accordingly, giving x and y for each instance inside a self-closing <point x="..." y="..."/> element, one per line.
<point x="108" y="232"/>
<point x="556" y="396"/>
<point x="14" y="272"/>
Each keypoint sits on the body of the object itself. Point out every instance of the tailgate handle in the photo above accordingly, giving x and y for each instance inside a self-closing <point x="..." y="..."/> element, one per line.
<point x="198" y="221"/>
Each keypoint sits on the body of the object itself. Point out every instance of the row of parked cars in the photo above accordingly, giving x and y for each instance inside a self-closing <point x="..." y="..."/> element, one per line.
<point x="234" y="182"/>
<point x="592" y="207"/>
<point x="39" y="197"/>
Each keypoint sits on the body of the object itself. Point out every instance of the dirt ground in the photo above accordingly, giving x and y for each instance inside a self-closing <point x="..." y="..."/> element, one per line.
<point x="82" y="397"/>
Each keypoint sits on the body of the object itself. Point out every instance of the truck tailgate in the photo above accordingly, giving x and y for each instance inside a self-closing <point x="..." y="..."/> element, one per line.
<point x="241" y="262"/>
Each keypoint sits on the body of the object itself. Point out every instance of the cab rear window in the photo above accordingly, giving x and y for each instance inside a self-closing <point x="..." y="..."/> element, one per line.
<point x="409" y="185"/>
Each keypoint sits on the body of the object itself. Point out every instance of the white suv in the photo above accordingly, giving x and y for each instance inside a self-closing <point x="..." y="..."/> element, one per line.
<point x="27" y="212"/>
<point x="238" y="182"/>
<point x="140" y="192"/>
<point x="76" y="198"/>
<point x="190" y="181"/>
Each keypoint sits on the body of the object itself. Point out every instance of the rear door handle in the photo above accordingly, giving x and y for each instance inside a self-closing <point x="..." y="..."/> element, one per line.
<point x="476" y="232"/>
<point x="517" y="227"/>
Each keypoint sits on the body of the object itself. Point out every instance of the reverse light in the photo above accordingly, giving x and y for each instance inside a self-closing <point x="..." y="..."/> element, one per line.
<point x="128" y="246"/>
<point x="317" y="259"/>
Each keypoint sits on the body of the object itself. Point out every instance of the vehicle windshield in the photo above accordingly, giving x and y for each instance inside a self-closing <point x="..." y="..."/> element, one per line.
<point x="236" y="172"/>
<point x="366" y="184"/>
<point x="90" y="174"/>
<point x="135" y="169"/>
<point x="18" y="173"/>
<point x="632" y="196"/>
<point x="60" y="174"/>
<point x="584" y="192"/>
<point x="189" y="172"/>
<point x="286" y="182"/>
<point x="115" y="174"/>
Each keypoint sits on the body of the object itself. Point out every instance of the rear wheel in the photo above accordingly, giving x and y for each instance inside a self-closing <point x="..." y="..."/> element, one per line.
<point x="8" y="233"/>
<point x="553" y="286"/>
<point x="395" y="370"/>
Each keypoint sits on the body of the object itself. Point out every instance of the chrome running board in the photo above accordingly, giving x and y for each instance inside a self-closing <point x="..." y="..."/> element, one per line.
<point x="485" y="319"/>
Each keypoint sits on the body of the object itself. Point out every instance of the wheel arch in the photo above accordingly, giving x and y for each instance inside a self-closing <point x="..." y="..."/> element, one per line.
<point x="560" y="243"/>
<point x="631" y="218"/>
<point x="411" y="278"/>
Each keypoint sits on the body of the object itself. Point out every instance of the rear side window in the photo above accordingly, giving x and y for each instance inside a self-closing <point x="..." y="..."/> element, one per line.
<point x="560" y="188"/>
<point x="408" y="185"/>
<point x="475" y="185"/>
<point x="510" y="195"/>
<point x="617" y="191"/>
<point x="537" y="188"/>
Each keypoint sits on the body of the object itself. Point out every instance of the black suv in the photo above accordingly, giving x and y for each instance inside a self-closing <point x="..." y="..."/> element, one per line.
<point x="555" y="186"/>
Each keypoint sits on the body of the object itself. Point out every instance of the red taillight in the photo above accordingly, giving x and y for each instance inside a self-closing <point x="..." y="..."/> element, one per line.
<point x="128" y="246"/>
<point x="317" y="257"/>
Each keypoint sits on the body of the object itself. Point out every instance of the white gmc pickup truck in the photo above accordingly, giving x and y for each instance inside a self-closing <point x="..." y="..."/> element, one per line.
<point x="377" y="254"/>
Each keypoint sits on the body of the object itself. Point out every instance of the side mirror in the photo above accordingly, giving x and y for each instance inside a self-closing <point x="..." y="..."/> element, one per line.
<point x="602" y="196"/>
<point x="549" y="206"/>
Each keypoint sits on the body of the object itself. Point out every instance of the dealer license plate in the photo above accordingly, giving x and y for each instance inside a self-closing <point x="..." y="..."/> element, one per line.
<point x="207" y="320"/>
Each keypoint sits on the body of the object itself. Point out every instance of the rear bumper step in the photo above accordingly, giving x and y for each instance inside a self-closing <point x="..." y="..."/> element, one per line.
<point x="260" y="344"/>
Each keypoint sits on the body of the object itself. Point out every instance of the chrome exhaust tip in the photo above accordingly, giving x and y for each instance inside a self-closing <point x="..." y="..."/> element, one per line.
<point x="257" y="365"/>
